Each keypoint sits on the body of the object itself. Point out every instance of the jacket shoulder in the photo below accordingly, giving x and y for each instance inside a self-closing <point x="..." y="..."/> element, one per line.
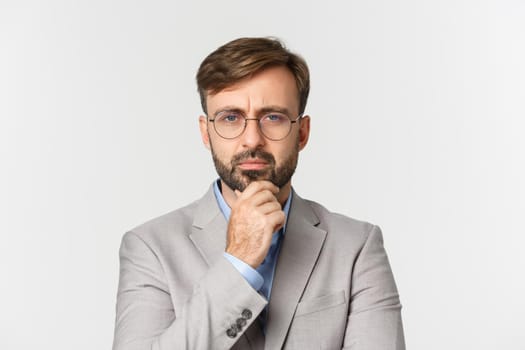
<point x="339" y="224"/>
<point x="176" y="222"/>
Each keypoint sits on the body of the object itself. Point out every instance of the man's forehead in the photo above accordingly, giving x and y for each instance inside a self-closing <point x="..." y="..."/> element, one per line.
<point x="272" y="87"/>
<point x="250" y="105"/>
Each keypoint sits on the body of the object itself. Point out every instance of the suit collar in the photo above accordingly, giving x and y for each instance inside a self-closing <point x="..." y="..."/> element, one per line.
<point x="299" y="251"/>
<point x="207" y="209"/>
<point x="209" y="228"/>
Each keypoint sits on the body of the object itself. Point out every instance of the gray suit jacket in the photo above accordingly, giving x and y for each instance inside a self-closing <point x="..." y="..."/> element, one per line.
<point x="333" y="287"/>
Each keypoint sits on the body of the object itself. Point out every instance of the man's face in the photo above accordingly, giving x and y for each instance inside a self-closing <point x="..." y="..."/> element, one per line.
<point x="251" y="156"/>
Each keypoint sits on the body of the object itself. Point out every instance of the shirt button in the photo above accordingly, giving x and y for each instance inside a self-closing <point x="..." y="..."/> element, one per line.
<point x="246" y="313"/>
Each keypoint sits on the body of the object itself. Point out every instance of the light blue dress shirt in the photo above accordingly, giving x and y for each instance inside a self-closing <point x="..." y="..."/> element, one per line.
<point x="261" y="279"/>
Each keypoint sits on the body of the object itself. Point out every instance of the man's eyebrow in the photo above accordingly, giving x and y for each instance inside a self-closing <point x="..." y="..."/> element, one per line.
<point x="259" y="112"/>
<point x="228" y="109"/>
<point x="268" y="109"/>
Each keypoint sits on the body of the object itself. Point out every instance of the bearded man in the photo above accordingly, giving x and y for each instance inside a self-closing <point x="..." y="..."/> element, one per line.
<point x="251" y="265"/>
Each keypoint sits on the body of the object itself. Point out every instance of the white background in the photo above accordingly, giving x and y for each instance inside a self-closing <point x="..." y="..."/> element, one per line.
<point x="417" y="125"/>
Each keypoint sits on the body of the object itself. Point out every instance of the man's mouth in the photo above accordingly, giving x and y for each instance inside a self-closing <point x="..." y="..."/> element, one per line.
<point x="253" y="164"/>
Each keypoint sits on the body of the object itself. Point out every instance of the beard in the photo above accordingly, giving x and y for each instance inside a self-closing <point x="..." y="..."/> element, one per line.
<point x="238" y="179"/>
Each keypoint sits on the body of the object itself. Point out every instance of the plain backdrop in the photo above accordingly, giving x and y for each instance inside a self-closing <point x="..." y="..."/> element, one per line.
<point x="417" y="125"/>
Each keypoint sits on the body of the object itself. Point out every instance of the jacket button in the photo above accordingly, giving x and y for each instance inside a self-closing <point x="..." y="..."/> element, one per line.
<point x="236" y="328"/>
<point x="231" y="333"/>
<point x="246" y="313"/>
<point x="241" y="322"/>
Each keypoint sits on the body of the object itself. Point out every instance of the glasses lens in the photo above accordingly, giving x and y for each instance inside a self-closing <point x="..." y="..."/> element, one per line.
<point x="229" y="124"/>
<point x="275" y="126"/>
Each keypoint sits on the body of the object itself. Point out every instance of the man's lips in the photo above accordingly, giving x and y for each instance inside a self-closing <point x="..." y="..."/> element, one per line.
<point x="252" y="164"/>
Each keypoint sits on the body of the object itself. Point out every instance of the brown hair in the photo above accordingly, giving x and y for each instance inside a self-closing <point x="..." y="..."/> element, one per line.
<point x="244" y="57"/>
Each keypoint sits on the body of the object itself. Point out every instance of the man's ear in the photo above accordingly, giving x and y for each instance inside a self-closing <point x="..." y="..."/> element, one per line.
<point x="203" y="126"/>
<point x="304" y="131"/>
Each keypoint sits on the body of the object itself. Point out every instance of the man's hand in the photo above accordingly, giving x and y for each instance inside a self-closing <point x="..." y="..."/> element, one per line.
<point x="255" y="216"/>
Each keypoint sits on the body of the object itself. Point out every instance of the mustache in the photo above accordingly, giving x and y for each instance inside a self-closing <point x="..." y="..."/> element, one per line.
<point x="254" y="153"/>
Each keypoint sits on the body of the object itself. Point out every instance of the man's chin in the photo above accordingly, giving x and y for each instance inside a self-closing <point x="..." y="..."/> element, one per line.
<point x="254" y="175"/>
<point x="246" y="177"/>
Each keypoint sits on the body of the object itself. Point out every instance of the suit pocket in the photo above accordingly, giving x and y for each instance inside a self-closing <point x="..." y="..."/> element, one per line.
<point x="318" y="323"/>
<point x="317" y="304"/>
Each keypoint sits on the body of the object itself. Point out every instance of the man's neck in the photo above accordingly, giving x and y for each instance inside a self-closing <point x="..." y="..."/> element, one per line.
<point x="230" y="197"/>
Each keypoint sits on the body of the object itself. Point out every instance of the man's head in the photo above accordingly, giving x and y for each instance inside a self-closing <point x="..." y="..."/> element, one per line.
<point x="242" y="58"/>
<point x="254" y="92"/>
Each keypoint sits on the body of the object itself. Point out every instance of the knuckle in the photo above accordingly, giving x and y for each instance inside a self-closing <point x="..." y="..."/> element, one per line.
<point x="267" y="192"/>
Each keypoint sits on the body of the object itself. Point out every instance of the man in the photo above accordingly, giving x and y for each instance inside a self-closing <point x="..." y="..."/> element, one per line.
<point x="252" y="265"/>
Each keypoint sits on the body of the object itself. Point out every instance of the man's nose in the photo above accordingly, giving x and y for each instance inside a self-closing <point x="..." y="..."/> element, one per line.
<point x="252" y="136"/>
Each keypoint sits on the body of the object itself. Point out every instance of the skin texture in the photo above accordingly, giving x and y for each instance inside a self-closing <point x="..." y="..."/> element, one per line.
<point x="255" y="201"/>
<point x="238" y="173"/>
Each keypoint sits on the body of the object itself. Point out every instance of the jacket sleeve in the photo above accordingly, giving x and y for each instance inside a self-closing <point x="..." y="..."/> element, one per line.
<point x="374" y="321"/>
<point x="146" y="317"/>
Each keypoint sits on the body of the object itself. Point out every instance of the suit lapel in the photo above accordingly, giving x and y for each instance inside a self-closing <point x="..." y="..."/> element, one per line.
<point x="299" y="251"/>
<point x="209" y="228"/>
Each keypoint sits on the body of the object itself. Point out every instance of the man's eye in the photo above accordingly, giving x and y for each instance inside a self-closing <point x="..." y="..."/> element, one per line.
<point x="229" y="118"/>
<point x="274" y="118"/>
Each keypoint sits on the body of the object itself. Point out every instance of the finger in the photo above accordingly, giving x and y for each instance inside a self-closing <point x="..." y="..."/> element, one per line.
<point x="270" y="186"/>
<point x="276" y="219"/>
<point x="269" y="207"/>
<point x="261" y="198"/>
<point x="257" y="186"/>
<point x="278" y="227"/>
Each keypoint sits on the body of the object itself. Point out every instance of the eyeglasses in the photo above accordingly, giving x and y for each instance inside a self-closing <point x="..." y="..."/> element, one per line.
<point x="274" y="126"/>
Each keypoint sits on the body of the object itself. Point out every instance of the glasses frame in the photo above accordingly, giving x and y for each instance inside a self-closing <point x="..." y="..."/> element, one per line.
<point x="292" y="121"/>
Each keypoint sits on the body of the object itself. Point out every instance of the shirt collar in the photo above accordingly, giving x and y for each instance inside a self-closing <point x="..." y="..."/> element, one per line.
<point x="226" y="210"/>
